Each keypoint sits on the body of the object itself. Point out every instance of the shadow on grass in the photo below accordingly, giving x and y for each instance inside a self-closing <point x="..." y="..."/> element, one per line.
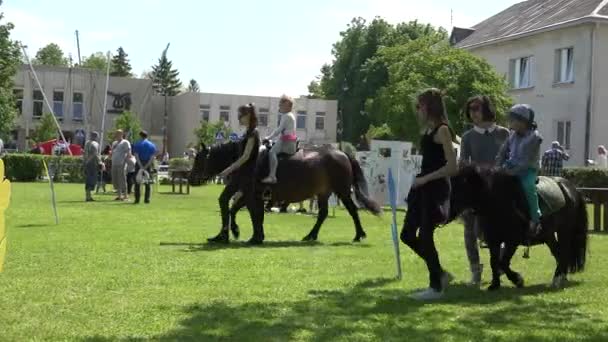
<point x="208" y="247"/>
<point x="169" y="193"/>
<point x="370" y="311"/>
<point x="32" y="225"/>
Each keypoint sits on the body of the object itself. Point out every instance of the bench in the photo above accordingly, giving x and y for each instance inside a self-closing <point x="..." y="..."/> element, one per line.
<point x="599" y="198"/>
<point x="181" y="177"/>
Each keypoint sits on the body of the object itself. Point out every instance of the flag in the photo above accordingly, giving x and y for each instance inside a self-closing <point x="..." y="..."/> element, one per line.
<point x="392" y="197"/>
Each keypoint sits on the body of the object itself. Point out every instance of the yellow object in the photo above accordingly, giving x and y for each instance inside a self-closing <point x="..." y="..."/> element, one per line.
<point x="5" y="197"/>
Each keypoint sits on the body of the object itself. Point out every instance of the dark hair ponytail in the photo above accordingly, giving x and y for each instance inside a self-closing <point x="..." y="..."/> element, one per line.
<point x="249" y="109"/>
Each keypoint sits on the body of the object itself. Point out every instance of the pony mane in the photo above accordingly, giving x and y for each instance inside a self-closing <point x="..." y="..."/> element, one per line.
<point x="230" y="148"/>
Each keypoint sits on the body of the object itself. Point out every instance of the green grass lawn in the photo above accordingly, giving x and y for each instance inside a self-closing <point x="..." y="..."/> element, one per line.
<point x="114" y="271"/>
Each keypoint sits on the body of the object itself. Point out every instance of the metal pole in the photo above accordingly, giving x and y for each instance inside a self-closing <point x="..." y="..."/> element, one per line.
<point x="78" y="47"/>
<point x="46" y="100"/>
<point x="105" y="103"/>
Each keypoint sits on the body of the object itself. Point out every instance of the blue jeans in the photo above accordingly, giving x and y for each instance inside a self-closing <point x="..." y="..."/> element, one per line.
<point x="528" y="182"/>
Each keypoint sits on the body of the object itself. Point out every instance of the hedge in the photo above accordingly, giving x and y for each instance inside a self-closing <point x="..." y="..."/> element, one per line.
<point x="29" y="167"/>
<point x="585" y="177"/>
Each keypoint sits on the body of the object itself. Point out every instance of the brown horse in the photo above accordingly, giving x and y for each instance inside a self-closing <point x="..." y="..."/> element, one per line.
<point x="308" y="173"/>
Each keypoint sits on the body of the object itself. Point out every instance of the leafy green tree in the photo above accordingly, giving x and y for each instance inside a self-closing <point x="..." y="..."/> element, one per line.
<point x="193" y="86"/>
<point x="206" y="132"/>
<point x="165" y="78"/>
<point x="51" y="55"/>
<point x="424" y="63"/>
<point x="351" y="79"/>
<point x="10" y="58"/>
<point x="129" y="123"/>
<point x="120" y="64"/>
<point x="97" y="61"/>
<point x="46" y="129"/>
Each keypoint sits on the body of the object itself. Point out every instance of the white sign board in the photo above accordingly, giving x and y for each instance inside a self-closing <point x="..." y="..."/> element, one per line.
<point x="382" y="156"/>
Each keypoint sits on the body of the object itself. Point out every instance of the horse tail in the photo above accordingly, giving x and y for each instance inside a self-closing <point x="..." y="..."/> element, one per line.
<point x="361" y="191"/>
<point x="578" y="242"/>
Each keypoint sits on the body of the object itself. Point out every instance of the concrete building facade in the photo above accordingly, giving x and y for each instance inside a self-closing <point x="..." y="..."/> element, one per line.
<point x="76" y="96"/>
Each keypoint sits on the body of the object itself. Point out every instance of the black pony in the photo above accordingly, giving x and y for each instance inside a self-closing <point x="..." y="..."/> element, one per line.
<point x="315" y="172"/>
<point x="499" y="201"/>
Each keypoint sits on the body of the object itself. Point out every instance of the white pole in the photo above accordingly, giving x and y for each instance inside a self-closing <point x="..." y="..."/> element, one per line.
<point x="105" y="103"/>
<point x="392" y="192"/>
<point x="46" y="100"/>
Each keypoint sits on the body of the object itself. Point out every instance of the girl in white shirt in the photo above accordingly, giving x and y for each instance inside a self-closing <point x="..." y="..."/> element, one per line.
<point x="286" y="132"/>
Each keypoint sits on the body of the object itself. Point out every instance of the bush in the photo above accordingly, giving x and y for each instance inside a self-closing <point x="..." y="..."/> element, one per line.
<point x="29" y="167"/>
<point x="585" y="177"/>
<point x="348" y="148"/>
<point x="180" y="164"/>
<point x="23" y="167"/>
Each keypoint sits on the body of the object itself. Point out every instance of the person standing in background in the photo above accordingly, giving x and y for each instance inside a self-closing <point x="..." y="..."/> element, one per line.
<point x="120" y="151"/>
<point x="602" y="157"/>
<point x="144" y="151"/>
<point x="92" y="165"/>
<point x="553" y="160"/>
<point x="131" y="162"/>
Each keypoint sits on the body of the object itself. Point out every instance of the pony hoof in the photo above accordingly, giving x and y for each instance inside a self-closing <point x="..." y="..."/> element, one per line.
<point x="235" y="232"/>
<point x="494" y="287"/>
<point x="559" y="282"/>
<point x="357" y="240"/>
<point x="519" y="283"/>
<point x="309" y="238"/>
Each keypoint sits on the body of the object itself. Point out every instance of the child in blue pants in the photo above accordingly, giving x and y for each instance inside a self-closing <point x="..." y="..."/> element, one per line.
<point x="520" y="156"/>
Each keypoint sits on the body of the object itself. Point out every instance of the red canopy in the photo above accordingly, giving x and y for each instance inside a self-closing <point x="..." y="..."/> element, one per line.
<point x="48" y="147"/>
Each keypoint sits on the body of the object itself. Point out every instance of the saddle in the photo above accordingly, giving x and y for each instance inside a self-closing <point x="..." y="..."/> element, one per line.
<point x="551" y="194"/>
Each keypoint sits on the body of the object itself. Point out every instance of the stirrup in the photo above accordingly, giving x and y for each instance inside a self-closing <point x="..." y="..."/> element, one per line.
<point x="269" y="180"/>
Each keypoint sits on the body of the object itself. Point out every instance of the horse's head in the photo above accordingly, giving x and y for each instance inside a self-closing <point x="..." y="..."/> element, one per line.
<point x="468" y="187"/>
<point x="210" y="161"/>
<point x="196" y="174"/>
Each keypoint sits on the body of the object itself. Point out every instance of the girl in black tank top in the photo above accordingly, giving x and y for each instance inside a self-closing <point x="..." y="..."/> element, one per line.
<point x="428" y="200"/>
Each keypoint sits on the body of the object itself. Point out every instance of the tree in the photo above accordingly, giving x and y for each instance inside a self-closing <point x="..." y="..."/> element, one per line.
<point x="424" y="63"/>
<point x="129" y="124"/>
<point x="165" y="78"/>
<point x="11" y="58"/>
<point x="46" y="129"/>
<point x="193" y="86"/>
<point x="97" y="61"/>
<point x="352" y="79"/>
<point x="51" y="55"/>
<point x="120" y="64"/>
<point x="206" y="132"/>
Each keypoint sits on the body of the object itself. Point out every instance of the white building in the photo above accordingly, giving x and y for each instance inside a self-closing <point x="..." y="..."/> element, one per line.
<point x="552" y="52"/>
<point x="77" y="97"/>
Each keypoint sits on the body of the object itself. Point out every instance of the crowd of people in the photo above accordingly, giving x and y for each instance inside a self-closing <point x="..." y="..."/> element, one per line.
<point x="127" y="167"/>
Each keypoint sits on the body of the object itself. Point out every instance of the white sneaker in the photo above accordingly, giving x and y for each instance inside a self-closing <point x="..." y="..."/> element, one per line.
<point x="446" y="279"/>
<point x="269" y="180"/>
<point x="428" y="294"/>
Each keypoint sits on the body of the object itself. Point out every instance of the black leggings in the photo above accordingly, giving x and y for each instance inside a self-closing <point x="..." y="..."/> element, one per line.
<point x="424" y="245"/>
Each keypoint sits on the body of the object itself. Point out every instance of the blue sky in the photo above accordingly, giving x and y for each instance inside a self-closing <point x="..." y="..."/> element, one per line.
<point x="263" y="47"/>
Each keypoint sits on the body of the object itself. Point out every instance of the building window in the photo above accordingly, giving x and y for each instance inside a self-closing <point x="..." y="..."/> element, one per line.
<point x="205" y="111"/>
<point x="320" y="121"/>
<point x="77" y="106"/>
<point x="563" y="133"/>
<point x="564" y="66"/>
<point x="521" y="72"/>
<point x="38" y="104"/>
<point x="301" y="120"/>
<point x="58" y="103"/>
<point x="18" y="94"/>
<point x="263" y="117"/>
<point x="225" y="113"/>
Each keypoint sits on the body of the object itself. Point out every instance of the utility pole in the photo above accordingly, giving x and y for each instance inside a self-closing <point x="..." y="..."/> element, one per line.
<point x="78" y="48"/>
<point x="166" y="116"/>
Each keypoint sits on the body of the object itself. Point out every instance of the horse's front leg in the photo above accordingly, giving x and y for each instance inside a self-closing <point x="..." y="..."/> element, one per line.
<point x="505" y="264"/>
<point x="495" y="264"/>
